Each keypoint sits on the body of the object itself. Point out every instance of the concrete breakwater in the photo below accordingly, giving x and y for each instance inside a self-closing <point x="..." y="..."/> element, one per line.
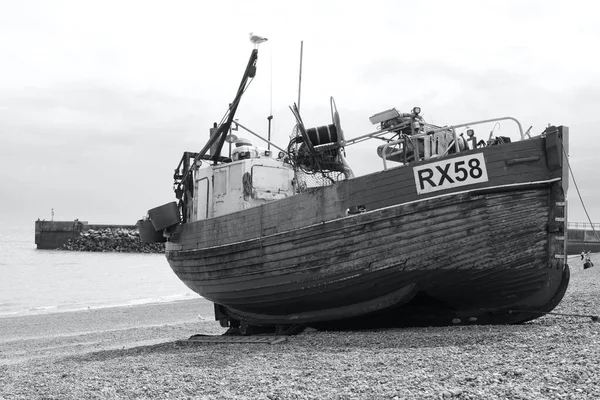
<point x="583" y="236"/>
<point x="81" y="236"/>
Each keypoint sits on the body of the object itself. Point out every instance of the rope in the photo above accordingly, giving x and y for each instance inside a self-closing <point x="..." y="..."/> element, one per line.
<point x="566" y="158"/>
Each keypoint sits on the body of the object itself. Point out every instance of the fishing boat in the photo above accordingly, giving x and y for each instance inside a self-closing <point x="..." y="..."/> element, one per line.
<point x="452" y="230"/>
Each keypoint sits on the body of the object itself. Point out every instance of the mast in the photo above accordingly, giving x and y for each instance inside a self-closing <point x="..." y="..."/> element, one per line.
<point x="270" y="117"/>
<point x="300" y="74"/>
<point x="222" y="130"/>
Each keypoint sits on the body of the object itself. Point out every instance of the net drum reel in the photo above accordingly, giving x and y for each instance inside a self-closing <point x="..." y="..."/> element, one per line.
<point x="324" y="140"/>
<point x="328" y="134"/>
<point x="319" y="149"/>
<point x="325" y="134"/>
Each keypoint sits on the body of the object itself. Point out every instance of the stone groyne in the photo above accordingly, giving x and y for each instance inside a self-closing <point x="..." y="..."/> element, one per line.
<point x="81" y="236"/>
<point x="112" y="239"/>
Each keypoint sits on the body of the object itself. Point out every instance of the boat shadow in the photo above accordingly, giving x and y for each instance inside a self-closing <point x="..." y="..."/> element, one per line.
<point x="311" y="341"/>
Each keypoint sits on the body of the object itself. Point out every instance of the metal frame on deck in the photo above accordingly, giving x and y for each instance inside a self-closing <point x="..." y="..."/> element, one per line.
<point x="414" y="138"/>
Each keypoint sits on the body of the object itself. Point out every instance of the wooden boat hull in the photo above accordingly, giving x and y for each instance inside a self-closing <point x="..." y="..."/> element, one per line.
<point x="490" y="252"/>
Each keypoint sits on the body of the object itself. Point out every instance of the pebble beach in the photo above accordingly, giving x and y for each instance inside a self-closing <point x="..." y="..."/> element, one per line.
<point x="132" y="353"/>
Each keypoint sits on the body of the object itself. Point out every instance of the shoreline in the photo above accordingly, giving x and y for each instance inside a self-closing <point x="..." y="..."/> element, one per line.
<point x="32" y="338"/>
<point x="48" y="310"/>
<point x="104" y="318"/>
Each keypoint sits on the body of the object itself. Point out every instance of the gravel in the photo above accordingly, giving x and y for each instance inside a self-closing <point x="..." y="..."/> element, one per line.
<point x="553" y="357"/>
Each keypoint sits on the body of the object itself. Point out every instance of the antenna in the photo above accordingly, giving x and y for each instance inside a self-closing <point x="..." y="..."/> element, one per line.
<point x="271" y="87"/>
<point x="300" y="75"/>
<point x="270" y="117"/>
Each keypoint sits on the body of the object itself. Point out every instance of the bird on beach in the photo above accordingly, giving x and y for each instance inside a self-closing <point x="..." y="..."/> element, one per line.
<point x="256" y="40"/>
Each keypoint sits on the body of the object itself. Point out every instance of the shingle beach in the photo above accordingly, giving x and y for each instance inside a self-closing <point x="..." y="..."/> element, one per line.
<point x="131" y="352"/>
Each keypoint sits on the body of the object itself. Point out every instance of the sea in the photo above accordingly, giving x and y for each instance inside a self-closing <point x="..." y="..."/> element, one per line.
<point x="36" y="281"/>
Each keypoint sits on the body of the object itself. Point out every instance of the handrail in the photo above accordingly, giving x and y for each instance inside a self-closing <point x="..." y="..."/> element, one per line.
<point x="372" y="135"/>
<point x="484" y="121"/>
<point x="376" y="134"/>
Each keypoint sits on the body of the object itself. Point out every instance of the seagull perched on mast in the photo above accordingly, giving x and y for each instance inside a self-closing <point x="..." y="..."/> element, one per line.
<point x="256" y="40"/>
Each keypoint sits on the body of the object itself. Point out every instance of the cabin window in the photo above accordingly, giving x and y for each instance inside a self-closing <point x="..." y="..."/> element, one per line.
<point x="271" y="179"/>
<point x="220" y="181"/>
<point x="235" y="177"/>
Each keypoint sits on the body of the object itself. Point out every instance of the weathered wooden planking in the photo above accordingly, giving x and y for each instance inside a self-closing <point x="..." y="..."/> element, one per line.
<point x="299" y="261"/>
<point x="312" y="232"/>
<point x="306" y="256"/>
<point x="452" y="287"/>
<point x="263" y="294"/>
<point x="308" y="238"/>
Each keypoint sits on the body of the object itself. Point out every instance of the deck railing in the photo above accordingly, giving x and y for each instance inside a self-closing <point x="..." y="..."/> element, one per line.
<point x="583" y="226"/>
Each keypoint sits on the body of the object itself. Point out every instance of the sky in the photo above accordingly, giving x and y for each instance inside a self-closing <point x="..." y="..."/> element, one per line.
<point x="99" y="99"/>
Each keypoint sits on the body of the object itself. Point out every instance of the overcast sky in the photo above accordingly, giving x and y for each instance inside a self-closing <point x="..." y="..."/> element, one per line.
<point x="98" y="99"/>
